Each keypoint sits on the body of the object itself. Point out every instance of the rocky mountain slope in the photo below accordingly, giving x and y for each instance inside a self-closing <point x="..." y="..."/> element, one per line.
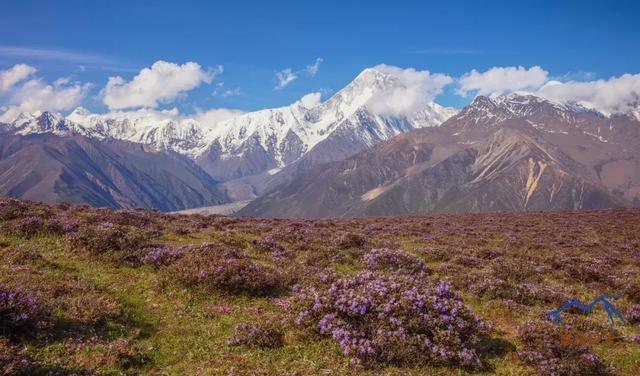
<point x="79" y="169"/>
<point x="510" y="153"/>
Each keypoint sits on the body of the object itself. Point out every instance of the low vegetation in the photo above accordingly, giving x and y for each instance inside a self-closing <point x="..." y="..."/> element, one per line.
<point x="99" y="291"/>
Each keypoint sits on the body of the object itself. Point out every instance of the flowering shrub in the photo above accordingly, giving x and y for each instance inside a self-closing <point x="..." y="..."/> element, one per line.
<point x="11" y="209"/>
<point x="545" y="346"/>
<point x="107" y="236"/>
<point x="395" y="260"/>
<point x="161" y="254"/>
<point x="19" y="313"/>
<point x="28" y="226"/>
<point x="228" y="271"/>
<point x="390" y="319"/>
<point x="62" y="224"/>
<point x="269" y="245"/>
<point x="268" y="335"/>
<point x="633" y="314"/>
<point x="350" y="240"/>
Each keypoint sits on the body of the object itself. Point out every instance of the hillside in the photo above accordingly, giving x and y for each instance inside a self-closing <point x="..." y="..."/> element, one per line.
<point x="98" y="291"/>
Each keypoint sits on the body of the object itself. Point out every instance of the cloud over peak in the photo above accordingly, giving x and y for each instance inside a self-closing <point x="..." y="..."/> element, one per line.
<point x="614" y="95"/>
<point x="163" y="82"/>
<point x="500" y="80"/>
<point x="38" y="95"/>
<point x="412" y="90"/>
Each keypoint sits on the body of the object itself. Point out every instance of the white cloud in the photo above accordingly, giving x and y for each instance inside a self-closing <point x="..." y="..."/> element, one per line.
<point x="311" y="100"/>
<point x="284" y="78"/>
<point x="210" y="118"/>
<point x="500" y="80"/>
<point x="37" y="95"/>
<point x="13" y="75"/>
<point x="162" y="83"/>
<point x="288" y="75"/>
<point x="312" y="69"/>
<point x="411" y="91"/>
<point x="220" y="91"/>
<point x="615" y="95"/>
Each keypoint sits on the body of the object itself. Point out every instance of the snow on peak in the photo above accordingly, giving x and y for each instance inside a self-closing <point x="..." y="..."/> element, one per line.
<point x="379" y="103"/>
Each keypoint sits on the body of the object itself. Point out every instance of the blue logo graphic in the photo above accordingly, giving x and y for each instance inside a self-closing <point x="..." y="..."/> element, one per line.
<point x="612" y="312"/>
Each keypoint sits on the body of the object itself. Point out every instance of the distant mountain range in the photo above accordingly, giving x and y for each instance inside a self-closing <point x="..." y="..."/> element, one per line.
<point x="509" y="153"/>
<point x="335" y="158"/>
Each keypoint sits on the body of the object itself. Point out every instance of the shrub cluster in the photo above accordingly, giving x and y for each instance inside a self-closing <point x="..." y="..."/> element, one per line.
<point x="390" y="319"/>
<point x="271" y="246"/>
<point x="549" y="348"/>
<point x="162" y="254"/>
<point x="20" y="313"/>
<point x="268" y="335"/>
<point x="395" y="260"/>
<point x="107" y="236"/>
<point x="228" y="271"/>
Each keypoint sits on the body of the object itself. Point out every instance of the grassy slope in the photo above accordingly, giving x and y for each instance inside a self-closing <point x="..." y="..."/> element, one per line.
<point x="175" y="329"/>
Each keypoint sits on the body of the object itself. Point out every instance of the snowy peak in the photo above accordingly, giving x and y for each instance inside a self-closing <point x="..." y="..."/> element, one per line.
<point x="45" y="122"/>
<point x="486" y="111"/>
<point x="263" y="140"/>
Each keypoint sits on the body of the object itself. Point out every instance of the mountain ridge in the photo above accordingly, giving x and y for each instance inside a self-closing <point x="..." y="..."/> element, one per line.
<point x="513" y="153"/>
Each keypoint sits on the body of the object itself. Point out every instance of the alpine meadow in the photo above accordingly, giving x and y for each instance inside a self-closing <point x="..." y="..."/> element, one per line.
<point x="347" y="188"/>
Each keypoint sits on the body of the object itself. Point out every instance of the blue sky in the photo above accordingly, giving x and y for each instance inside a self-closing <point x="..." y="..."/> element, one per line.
<point x="90" y="41"/>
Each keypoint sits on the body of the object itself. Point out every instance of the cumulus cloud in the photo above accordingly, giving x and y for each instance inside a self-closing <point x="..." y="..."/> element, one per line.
<point x="311" y="100"/>
<point x="500" y="80"/>
<point x="615" y="95"/>
<point x="411" y="90"/>
<point x="37" y="95"/>
<point x="163" y="82"/>
<point x="312" y="69"/>
<point x="13" y="75"/>
<point x="284" y="78"/>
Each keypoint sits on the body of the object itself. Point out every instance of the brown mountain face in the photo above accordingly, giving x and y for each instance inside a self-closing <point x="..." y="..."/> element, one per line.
<point x="511" y="153"/>
<point x="48" y="168"/>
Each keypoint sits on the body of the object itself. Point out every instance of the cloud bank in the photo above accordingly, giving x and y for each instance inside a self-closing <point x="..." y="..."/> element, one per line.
<point x="162" y="83"/>
<point x="614" y="95"/>
<point x="500" y="80"/>
<point x="13" y="75"/>
<point x="412" y="91"/>
<point x="35" y="94"/>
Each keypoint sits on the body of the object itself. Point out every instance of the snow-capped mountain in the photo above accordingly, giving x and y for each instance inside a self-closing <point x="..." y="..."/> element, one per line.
<point x="261" y="141"/>
<point x="46" y="122"/>
<point x="160" y="129"/>
<point x="341" y="126"/>
<point x="257" y="143"/>
<point x="515" y="152"/>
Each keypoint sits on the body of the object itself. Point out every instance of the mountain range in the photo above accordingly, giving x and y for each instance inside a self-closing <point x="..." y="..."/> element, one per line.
<point x="340" y="157"/>
<point x="510" y="153"/>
